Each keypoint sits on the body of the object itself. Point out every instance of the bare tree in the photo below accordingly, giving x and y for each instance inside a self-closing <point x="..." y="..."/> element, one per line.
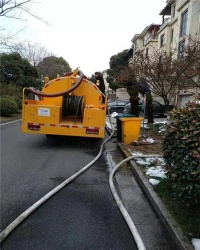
<point x="33" y="52"/>
<point x="165" y="73"/>
<point x="188" y="67"/>
<point x="127" y="78"/>
<point x="15" y="9"/>
<point x="6" y="38"/>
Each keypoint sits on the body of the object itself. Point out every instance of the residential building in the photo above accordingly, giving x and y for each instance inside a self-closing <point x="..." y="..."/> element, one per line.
<point x="184" y="25"/>
<point x="147" y="41"/>
<point x="180" y="27"/>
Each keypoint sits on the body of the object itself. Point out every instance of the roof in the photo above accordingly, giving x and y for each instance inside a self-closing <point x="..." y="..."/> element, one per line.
<point x="149" y="28"/>
<point x="166" y="11"/>
<point x="154" y="26"/>
<point x="136" y="37"/>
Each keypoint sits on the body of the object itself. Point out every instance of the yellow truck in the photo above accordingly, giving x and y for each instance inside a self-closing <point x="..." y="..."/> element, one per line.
<point x="70" y="106"/>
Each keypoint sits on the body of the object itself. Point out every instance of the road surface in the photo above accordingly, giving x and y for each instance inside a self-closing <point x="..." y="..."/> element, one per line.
<point x="81" y="216"/>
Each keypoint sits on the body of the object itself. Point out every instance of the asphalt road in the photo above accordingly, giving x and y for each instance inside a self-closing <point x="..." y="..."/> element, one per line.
<point x="83" y="215"/>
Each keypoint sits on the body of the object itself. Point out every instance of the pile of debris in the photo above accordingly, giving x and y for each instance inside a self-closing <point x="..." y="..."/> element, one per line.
<point x="143" y="141"/>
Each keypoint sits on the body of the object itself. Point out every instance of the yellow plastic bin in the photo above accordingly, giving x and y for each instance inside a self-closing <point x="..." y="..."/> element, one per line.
<point x="130" y="128"/>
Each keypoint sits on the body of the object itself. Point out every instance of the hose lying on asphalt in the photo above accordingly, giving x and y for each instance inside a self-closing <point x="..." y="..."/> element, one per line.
<point x="32" y="208"/>
<point x="124" y="212"/>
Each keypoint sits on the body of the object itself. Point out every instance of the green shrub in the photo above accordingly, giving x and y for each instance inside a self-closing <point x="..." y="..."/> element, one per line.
<point x="19" y="102"/>
<point x="6" y="96"/>
<point x="8" y="106"/>
<point x="16" y="99"/>
<point x="10" y="89"/>
<point x="181" y="147"/>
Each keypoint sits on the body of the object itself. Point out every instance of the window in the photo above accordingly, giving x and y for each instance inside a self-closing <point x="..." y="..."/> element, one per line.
<point x="184" y="23"/>
<point x="181" y="49"/>
<point x="135" y="45"/>
<point x="174" y="11"/>
<point x="172" y="35"/>
<point x="147" y="53"/>
<point x="162" y="40"/>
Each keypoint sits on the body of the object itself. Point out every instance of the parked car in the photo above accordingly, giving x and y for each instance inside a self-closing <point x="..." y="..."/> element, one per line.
<point x="158" y="109"/>
<point x="117" y="106"/>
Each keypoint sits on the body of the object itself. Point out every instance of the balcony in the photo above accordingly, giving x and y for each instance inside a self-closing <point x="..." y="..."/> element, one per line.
<point x="167" y="20"/>
<point x="150" y="38"/>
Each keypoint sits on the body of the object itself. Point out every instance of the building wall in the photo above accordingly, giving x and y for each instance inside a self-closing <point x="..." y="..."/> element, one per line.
<point x="143" y="42"/>
<point x="146" y="40"/>
<point x="194" y="25"/>
<point x="152" y="47"/>
<point x="193" y="21"/>
<point x="166" y="32"/>
<point x="192" y="34"/>
<point x="171" y="28"/>
<point x="137" y="44"/>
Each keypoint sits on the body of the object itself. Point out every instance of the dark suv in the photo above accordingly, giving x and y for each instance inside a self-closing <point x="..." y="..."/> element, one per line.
<point x="117" y="106"/>
<point x="158" y="109"/>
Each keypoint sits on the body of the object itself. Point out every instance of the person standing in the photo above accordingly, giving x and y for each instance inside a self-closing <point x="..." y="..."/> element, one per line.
<point x="100" y="82"/>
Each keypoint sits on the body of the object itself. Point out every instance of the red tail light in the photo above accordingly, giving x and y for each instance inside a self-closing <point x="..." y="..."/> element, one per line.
<point x="33" y="127"/>
<point x="92" y="131"/>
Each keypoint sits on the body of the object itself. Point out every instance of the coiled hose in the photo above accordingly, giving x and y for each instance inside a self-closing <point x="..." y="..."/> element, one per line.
<point x="42" y="94"/>
<point x="72" y="106"/>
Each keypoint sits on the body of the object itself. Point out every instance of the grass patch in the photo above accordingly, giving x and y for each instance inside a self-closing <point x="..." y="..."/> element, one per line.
<point x="187" y="218"/>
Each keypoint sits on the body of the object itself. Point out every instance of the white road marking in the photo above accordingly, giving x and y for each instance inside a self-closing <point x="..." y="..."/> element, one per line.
<point x="6" y="123"/>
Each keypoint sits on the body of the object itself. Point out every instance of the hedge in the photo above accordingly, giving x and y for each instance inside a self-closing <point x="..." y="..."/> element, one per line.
<point x="8" y="106"/>
<point x="19" y="102"/>
<point x="181" y="147"/>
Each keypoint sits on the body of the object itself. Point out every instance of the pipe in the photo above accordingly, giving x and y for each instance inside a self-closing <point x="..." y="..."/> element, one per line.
<point x="32" y="208"/>
<point x="123" y="210"/>
<point x="39" y="93"/>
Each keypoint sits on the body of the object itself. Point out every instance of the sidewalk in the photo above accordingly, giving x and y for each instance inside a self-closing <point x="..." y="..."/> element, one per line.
<point x="146" y="222"/>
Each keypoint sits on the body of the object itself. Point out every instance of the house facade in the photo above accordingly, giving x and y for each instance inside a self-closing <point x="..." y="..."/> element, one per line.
<point x="147" y="41"/>
<point x="180" y="27"/>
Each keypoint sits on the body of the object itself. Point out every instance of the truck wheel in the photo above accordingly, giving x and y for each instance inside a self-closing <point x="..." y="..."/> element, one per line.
<point x="48" y="135"/>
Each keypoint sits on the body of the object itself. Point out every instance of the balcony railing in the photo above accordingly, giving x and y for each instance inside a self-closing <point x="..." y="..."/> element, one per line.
<point x="151" y="37"/>
<point x="167" y="20"/>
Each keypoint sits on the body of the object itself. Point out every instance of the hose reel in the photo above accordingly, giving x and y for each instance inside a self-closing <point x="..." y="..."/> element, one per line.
<point x="72" y="105"/>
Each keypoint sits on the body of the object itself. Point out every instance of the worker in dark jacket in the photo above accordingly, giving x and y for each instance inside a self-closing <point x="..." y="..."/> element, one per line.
<point x="100" y="82"/>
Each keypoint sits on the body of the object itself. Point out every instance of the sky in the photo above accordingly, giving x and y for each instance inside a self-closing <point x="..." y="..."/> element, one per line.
<point x="86" y="33"/>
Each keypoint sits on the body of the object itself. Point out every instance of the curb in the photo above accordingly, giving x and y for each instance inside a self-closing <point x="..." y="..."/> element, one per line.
<point x="180" y="240"/>
<point x="10" y="121"/>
